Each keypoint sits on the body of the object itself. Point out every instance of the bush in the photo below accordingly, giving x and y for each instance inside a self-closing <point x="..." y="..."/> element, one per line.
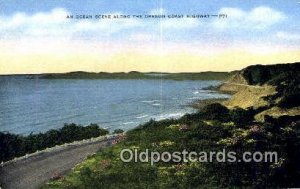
<point x="242" y="117"/>
<point x="215" y="111"/>
<point x="290" y="101"/>
<point x="118" y="131"/>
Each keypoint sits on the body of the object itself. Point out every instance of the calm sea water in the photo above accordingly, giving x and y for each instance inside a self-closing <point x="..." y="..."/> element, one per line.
<point x="37" y="105"/>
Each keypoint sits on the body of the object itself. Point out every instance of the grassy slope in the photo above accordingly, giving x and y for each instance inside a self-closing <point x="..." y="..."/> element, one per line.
<point x="106" y="170"/>
<point x="247" y="97"/>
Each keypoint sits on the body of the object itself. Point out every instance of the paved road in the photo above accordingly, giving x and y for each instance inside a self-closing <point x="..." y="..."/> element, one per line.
<point x="35" y="171"/>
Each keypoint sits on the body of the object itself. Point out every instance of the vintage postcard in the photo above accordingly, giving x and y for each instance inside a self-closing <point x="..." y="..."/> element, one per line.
<point x="149" y="94"/>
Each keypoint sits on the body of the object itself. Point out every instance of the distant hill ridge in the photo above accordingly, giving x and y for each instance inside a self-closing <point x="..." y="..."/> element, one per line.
<point x="139" y="75"/>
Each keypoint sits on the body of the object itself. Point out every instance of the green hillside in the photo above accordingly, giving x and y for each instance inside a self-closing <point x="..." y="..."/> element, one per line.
<point x="271" y="74"/>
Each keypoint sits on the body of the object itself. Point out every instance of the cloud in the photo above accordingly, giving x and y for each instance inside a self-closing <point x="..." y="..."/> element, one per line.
<point x="54" y="24"/>
<point x="56" y="16"/>
<point x="257" y="18"/>
<point x="288" y="36"/>
<point x="21" y="20"/>
<point x="47" y="31"/>
<point x="41" y="24"/>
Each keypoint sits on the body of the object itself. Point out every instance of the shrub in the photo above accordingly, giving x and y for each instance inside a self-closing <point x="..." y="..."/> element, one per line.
<point x="215" y="111"/>
<point x="118" y="131"/>
<point x="290" y="101"/>
<point x="242" y="117"/>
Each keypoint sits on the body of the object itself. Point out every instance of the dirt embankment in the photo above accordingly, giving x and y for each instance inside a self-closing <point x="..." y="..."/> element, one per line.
<point x="245" y="95"/>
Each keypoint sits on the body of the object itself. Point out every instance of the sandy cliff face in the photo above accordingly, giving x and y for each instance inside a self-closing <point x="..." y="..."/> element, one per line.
<point x="250" y="96"/>
<point x="245" y="95"/>
<point x="238" y="78"/>
<point x="236" y="83"/>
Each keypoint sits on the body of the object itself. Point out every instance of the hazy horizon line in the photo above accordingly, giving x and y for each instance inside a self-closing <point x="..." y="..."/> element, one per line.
<point x="145" y="72"/>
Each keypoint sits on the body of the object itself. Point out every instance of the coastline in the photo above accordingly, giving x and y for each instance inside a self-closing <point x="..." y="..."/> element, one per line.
<point x="199" y="104"/>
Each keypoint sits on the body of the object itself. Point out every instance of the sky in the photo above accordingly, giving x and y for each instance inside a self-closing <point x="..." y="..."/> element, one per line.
<point x="37" y="37"/>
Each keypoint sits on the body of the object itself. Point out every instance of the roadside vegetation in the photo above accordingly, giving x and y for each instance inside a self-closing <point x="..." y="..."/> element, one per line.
<point x="213" y="128"/>
<point x="12" y="145"/>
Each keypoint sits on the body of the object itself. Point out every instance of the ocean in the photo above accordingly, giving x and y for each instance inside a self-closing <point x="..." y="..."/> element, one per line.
<point x="38" y="105"/>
